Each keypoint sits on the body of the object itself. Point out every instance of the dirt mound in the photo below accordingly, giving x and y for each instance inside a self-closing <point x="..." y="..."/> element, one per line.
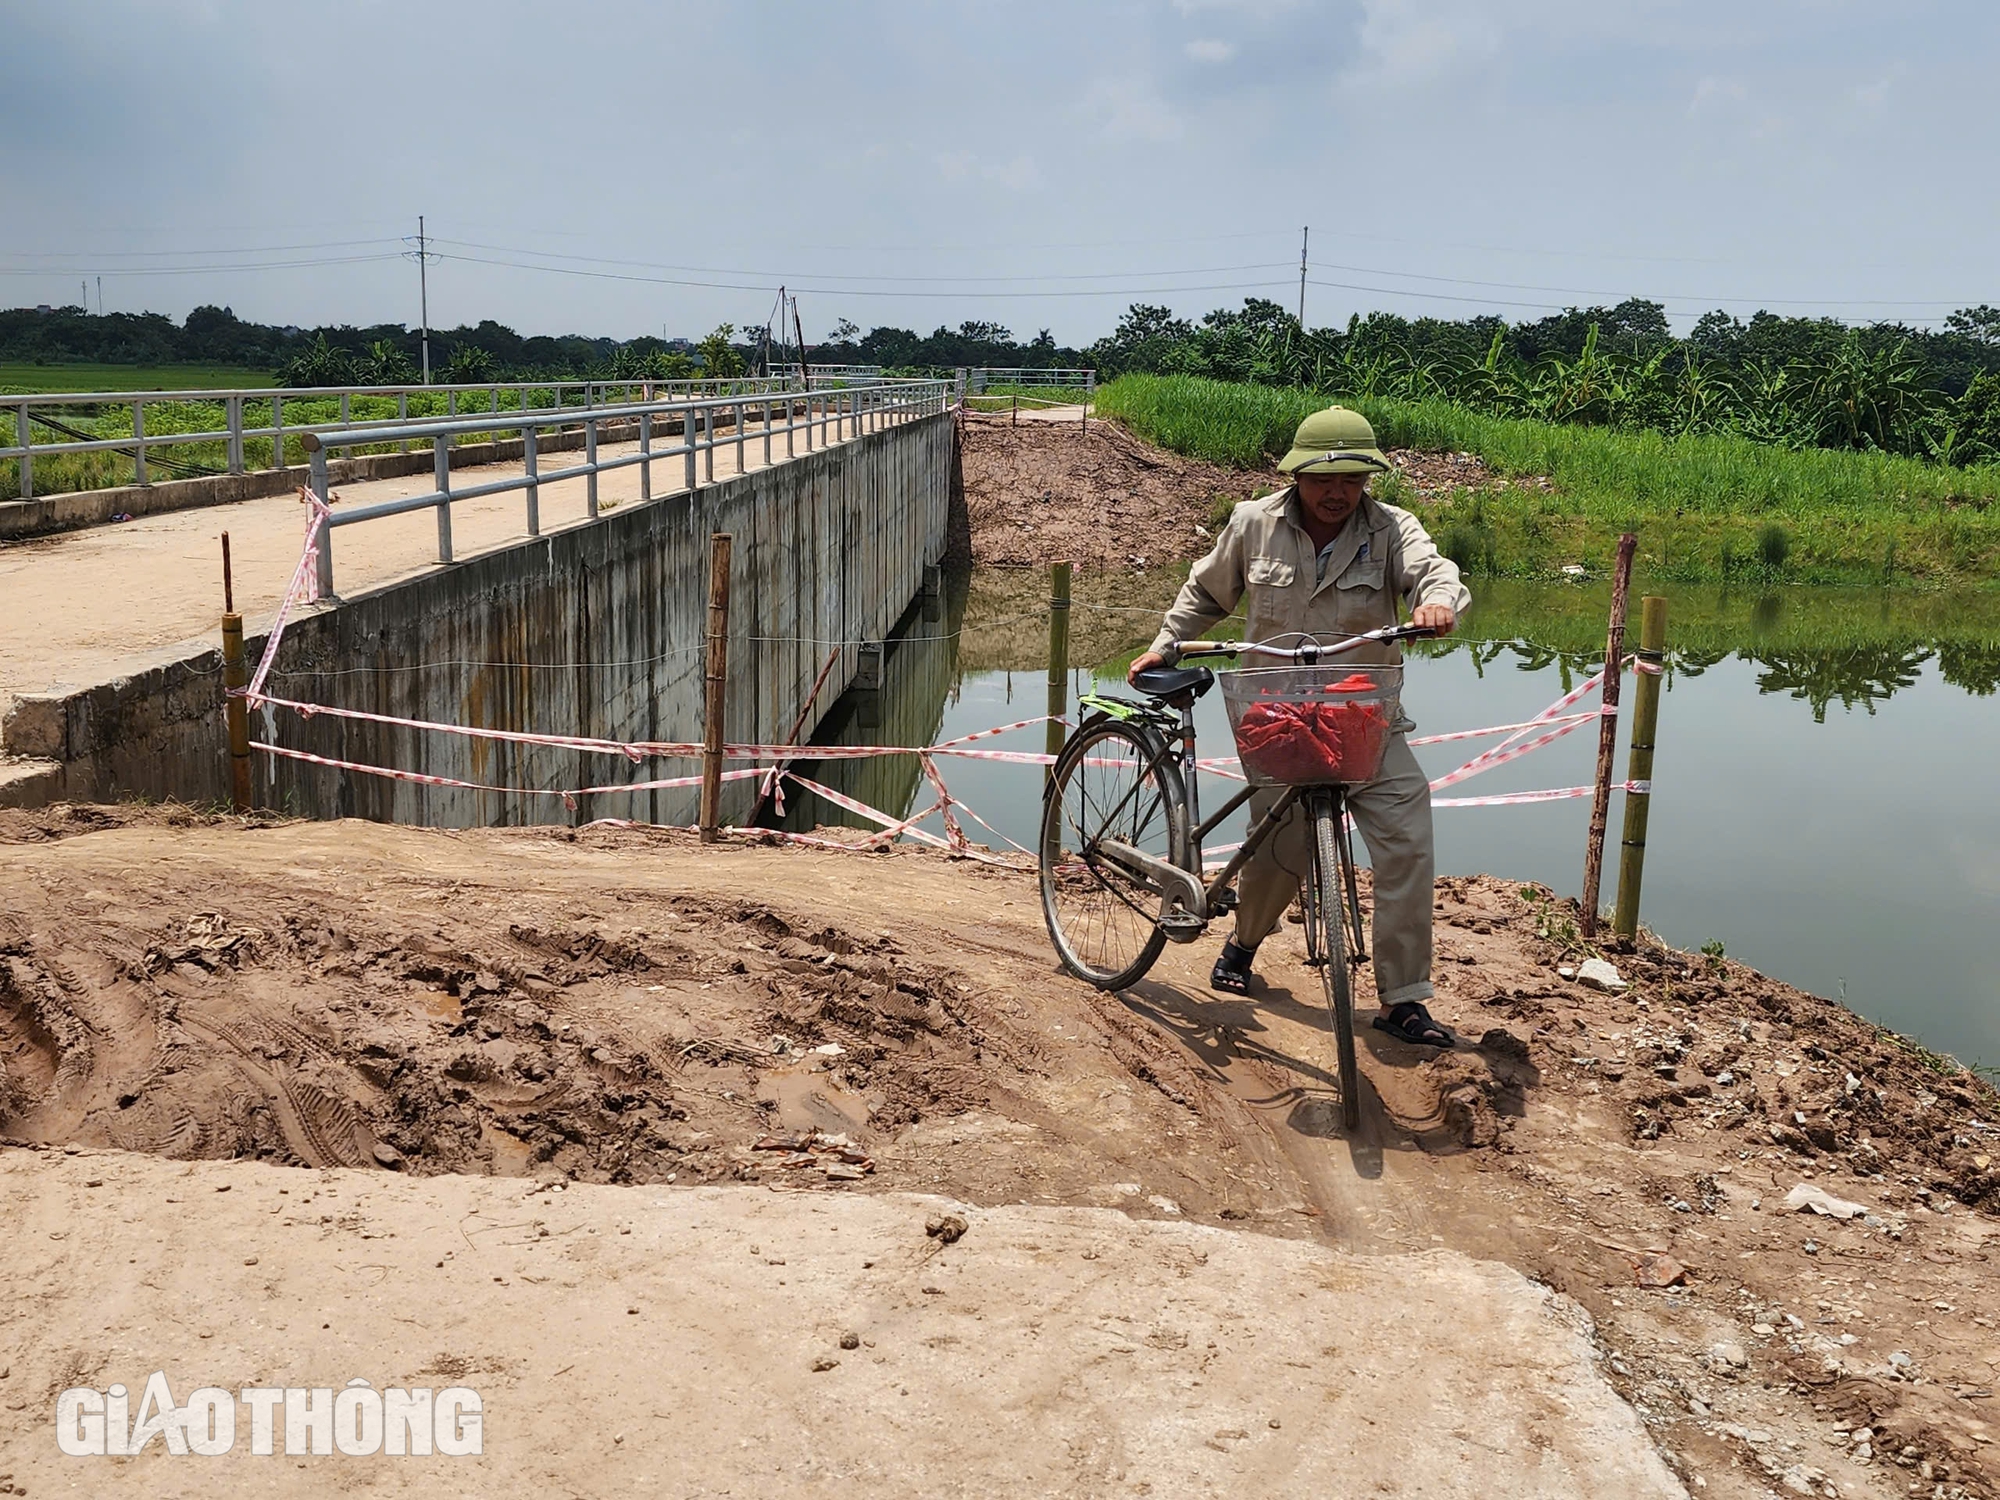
<point x="1702" y="1044"/>
<point x="523" y="1039"/>
<point x="1045" y="492"/>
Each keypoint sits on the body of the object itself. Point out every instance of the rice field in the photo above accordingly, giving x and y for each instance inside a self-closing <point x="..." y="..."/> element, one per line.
<point x="68" y="473"/>
<point x="33" y="379"/>
<point x="1706" y="508"/>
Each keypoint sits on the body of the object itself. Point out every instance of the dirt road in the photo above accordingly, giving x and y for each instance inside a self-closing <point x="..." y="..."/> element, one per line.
<point x="621" y="1008"/>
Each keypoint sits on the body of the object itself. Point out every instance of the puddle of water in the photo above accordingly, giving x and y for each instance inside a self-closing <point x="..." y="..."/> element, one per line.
<point x="509" y="1156"/>
<point x="1827" y="803"/>
<point x="808" y="1097"/>
<point x="443" y="1004"/>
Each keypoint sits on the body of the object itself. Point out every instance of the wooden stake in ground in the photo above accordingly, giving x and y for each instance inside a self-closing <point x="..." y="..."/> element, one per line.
<point x="235" y="712"/>
<point x="1058" y="656"/>
<point x="717" y="684"/>
<point x="1607" y="732"/>
<point x="1639" y="768"/>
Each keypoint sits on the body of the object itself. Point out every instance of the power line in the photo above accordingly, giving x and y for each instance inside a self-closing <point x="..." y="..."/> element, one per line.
<point x="831" y="291"/>
<point x="1704" y="300"/>
<point x="136" y="272"/>
<point x="602" y="260"/>
<point x="226" y="250"/>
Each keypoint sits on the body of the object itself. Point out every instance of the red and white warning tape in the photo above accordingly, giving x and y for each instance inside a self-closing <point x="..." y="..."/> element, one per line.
<point x="1521" y="739"/>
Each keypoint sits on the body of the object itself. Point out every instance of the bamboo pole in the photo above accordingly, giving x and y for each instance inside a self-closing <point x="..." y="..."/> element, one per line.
<point x="1645" y="723"/>
<point x="1607" y="733"/>
<point x="1058" y="655"/>
<point x="235" y="677"/>
<point x="717" y="684"/>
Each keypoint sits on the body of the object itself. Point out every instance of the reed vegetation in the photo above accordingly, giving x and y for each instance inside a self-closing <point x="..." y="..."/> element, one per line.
<point x="1706" y="506"/>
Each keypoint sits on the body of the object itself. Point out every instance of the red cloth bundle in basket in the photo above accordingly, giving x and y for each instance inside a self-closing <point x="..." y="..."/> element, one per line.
<point x="1301" y="744"/>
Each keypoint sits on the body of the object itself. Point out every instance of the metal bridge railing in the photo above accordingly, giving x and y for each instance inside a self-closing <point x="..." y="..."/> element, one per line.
<point x="233" y="420"/>
<point x="836" y="415"/>
<point x="978" y="378"/>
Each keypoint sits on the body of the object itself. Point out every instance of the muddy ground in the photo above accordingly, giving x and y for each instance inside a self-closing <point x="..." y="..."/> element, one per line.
<point x="1041" y="492"/>
<point x="618" y="1006"/>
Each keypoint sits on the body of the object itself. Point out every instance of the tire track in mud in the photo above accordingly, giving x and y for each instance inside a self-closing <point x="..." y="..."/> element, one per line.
<point x="321" y="1129"/>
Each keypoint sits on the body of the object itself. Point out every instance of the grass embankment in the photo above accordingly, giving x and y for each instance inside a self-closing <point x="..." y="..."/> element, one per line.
<point x="1705" y="508"/>
<point x="59" y="474"/>
<point x="31" y="379"/>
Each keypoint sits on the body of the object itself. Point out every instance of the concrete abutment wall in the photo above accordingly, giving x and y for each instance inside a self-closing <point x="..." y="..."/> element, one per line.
<point x="596" y="630"/>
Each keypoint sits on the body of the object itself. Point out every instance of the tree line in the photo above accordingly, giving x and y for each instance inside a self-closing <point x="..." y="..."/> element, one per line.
<point x="383" y="354"/>
<point x="1796" y="382"/>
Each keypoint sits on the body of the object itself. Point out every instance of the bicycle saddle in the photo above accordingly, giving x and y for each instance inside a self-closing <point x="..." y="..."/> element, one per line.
<point x="1172" y="682"/>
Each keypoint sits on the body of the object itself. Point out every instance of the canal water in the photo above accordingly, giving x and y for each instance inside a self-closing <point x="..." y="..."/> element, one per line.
<point x="1826" y="790"/>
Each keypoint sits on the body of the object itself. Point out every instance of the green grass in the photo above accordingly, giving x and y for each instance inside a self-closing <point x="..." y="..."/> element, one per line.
<point x="58" y="474"/>
<point x="1703" y="507"/>
<point x="32" y="379"/>
<point x="1001" y="396"/>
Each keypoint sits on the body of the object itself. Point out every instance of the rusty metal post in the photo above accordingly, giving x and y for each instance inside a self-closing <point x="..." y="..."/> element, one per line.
<point x="1639" y="769"/>
<point x="235" y="711"/>
<point x="1058" y="657"/>
<point x="717" y="684"/>
<point x="1607" y="732"/>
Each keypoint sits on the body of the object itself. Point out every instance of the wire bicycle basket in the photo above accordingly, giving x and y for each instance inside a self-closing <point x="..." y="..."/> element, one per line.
<point x="1307" y="726"/>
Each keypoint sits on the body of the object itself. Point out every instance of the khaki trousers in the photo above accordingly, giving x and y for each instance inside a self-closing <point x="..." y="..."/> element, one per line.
<point x="1393" y="813"/>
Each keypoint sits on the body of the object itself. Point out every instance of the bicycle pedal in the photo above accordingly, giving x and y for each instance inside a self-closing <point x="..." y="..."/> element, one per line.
<point x="1182" y="927"/>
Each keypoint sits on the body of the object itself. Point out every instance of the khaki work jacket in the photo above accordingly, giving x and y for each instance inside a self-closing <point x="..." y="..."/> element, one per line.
<point x="1264" y="559"/>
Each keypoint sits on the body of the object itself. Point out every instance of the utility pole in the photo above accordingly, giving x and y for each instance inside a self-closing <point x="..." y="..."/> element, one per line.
<point x="1304" y="235"/>
<point x="100" y="296"/>
<point x="424" y="294"/>
<point x="805" y="375"/>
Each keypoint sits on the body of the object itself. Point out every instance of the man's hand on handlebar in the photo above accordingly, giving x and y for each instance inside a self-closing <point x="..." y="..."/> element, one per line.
<point x="1145" y="663"/>
<point x="1434" y="617"/>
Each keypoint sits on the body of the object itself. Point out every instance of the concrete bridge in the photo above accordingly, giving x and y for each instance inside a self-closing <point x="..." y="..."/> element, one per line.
<point x="572" y="604"/>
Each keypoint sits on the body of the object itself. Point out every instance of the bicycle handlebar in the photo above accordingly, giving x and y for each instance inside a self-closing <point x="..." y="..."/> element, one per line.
<point x="1306" y="654"/>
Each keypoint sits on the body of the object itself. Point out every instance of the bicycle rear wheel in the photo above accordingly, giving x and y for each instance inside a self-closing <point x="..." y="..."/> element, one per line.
<point x="1114" y="780"/>
<point x="1327" y="911"/>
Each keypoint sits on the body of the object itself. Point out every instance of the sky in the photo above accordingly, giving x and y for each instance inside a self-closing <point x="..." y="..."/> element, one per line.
<point x="630" y="168"/>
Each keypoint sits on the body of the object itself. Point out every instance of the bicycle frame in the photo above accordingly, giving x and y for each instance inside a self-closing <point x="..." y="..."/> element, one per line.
<point x="1181" y="872"/>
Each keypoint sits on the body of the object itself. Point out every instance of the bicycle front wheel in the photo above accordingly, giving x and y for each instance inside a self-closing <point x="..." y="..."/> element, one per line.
<point x="1326" y="908"/>
<point x="1113" y="781"/>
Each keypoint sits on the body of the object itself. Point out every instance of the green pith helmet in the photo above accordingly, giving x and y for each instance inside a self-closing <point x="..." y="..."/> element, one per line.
<point x="1335" y="441"/>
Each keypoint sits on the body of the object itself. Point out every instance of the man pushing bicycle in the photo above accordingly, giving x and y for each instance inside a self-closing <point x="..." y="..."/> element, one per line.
<point x="1323" y="558"/>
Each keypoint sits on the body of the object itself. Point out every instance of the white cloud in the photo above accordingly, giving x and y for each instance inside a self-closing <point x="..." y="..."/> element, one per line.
<point x="1210" y="49"/>
<point x="1250" y="7"/>
<point x="1411" y="41"/>
<point x="1020" y="174"/>
<point x="1875" y="95"/>
<point x="1130" y="109"/>
<point x="1714" y="93"/>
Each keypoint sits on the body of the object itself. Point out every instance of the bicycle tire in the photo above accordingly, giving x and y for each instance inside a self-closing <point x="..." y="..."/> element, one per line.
<point x="1117" y="956"/>
<point x="1330" y="896"/>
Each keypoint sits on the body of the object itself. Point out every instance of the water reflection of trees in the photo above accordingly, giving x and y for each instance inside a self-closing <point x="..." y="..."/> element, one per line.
<point x="1857" y="678"/>
<point x="1854" y="676"/>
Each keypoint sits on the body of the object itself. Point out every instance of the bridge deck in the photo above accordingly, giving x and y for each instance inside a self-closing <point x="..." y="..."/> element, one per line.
<point x="89" y="606"/>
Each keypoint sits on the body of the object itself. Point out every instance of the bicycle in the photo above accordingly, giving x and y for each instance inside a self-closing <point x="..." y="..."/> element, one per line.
<point x="1121" y="863"/>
